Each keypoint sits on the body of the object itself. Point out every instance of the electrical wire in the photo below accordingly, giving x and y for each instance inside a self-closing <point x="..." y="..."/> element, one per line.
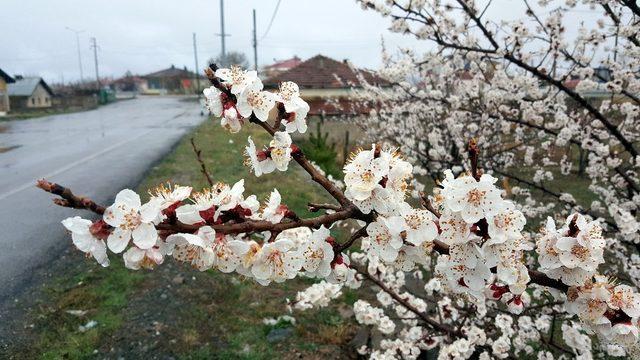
<point x="273" y="17"/>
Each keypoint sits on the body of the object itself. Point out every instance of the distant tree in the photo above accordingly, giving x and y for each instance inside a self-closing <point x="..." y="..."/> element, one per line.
<point x="230" y="58"/>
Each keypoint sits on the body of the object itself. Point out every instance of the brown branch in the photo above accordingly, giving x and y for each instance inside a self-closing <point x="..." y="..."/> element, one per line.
<point x="426" y="203"/>
<point x="633" y="6"/>
<point x="203" y="167"/>
<point x="362" y="232"/>
<point x="613" y="129"/>
<point x="434" y="324"/>
<point x="315" y="207"/>
<point x="68" y="199"/>
<point x="309" y="168"/>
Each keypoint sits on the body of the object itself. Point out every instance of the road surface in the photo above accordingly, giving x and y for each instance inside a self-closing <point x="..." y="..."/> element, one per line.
<point x="95" y="153"/>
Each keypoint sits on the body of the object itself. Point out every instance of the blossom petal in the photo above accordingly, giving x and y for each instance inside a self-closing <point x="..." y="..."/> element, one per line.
<point x="145" y="236"/>
<point x="118" y="240"/>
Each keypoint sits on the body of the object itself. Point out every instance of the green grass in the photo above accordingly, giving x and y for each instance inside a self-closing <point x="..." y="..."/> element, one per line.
<point x="215" y="316"/>
<point x="101" y="291"/>
<point x="223" y="156"/>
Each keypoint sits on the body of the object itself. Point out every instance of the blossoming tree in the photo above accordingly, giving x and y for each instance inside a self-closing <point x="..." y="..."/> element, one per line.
<point x="458" y="272"/>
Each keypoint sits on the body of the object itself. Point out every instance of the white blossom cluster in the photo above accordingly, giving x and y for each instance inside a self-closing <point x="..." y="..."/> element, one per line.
<point x="483" y="231"/>
<point x="370" y="315"/>
<point x="573" y="252"/>
<point x="248" y="98"/>
<point x="376" y="179"/>
<point x="317" y="295"/>
<point x="130" y="225"/>
<point x="511" y="88"/>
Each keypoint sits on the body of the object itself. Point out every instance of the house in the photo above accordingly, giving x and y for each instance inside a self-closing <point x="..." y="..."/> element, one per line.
<point x="30" y="93"/>
<point x="4" y="93"/>
<point x="174" y="80"/>
<point x="596" y="88"/>
<point x="130" y="83"/>
<point x="328" y="85"/>
<point x="279" y="67"/>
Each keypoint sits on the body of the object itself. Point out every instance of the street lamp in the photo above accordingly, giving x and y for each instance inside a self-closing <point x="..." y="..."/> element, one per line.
<point x="77" y="32"/>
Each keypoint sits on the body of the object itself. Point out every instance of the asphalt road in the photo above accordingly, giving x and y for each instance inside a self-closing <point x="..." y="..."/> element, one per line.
<point x="95" y="153"/>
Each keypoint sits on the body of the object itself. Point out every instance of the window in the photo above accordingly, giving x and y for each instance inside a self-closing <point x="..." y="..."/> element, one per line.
<point x="39" y="101"/>
<point x="33" y="101"/>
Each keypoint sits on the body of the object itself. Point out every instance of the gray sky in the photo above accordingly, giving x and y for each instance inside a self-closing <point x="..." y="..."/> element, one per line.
<point x="148" y="35"/>
<point x="145" y="35"/>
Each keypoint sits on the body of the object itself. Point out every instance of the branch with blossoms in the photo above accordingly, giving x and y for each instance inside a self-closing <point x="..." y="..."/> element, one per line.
<point x="513" y="82"/>
<point x="474" y="236"/>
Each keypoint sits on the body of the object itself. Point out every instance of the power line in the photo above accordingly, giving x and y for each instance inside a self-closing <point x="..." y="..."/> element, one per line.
<point x="273" y="17"/>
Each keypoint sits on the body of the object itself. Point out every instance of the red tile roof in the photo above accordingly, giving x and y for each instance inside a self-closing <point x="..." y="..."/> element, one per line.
<point x="172" y="72"/>
<point x="572" y="83"/>
<point x="337" y="106"/>
<point x="284" y="64"/>
<point x="321" y="72"/>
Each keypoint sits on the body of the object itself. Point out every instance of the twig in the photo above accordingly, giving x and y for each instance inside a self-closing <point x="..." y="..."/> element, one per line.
<point x="203" y="167"/>
<point x="434" y="324"/>
<point x="426" y="203"/>
<point x="68" y="199"/>
<point x="362" y="232"/>
<point x="315" y="207"/>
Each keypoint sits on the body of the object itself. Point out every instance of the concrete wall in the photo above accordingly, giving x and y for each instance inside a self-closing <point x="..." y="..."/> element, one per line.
<point x="4" y="97"/>
<point x="39" y="99"/>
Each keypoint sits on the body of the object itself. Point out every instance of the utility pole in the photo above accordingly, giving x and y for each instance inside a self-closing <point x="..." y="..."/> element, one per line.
<point x="195" y="55"/>
<point x="77" y="32"/>
<point x="94" y="45"/>
<point x="255" y="43"/>
<point x="222" y="34"/>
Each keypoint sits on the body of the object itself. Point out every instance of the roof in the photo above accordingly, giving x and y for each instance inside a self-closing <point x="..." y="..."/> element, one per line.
<point x="284" y="64"/>
<point x="321" y="72"/>
<point x="172" y="72"/>
<point x="572" y="83"/>
<point x="129" y="79"/>
<point x="8" y="79"/>
<point x="26" y="86"/>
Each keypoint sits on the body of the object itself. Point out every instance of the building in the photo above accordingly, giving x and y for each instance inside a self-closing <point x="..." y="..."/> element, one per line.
<point x="174" y="81"/>
<point x="5" y="80"/>
<point x="30" y="93"/>
<point x="327" y="85"/>
<point x="279" y="67"/>
<point x="130" y="83"/>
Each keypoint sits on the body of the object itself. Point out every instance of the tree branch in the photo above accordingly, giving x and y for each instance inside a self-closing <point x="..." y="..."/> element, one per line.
<point x="68" y="199"/>
<point x="203" y="167"/>
<point x="434" y="324"/>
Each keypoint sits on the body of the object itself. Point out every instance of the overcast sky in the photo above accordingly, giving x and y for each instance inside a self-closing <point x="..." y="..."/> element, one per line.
<point x="149" y="35"/>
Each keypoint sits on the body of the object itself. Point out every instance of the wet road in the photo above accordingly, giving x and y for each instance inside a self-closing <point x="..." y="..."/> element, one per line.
<point x="96" y="153"/>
